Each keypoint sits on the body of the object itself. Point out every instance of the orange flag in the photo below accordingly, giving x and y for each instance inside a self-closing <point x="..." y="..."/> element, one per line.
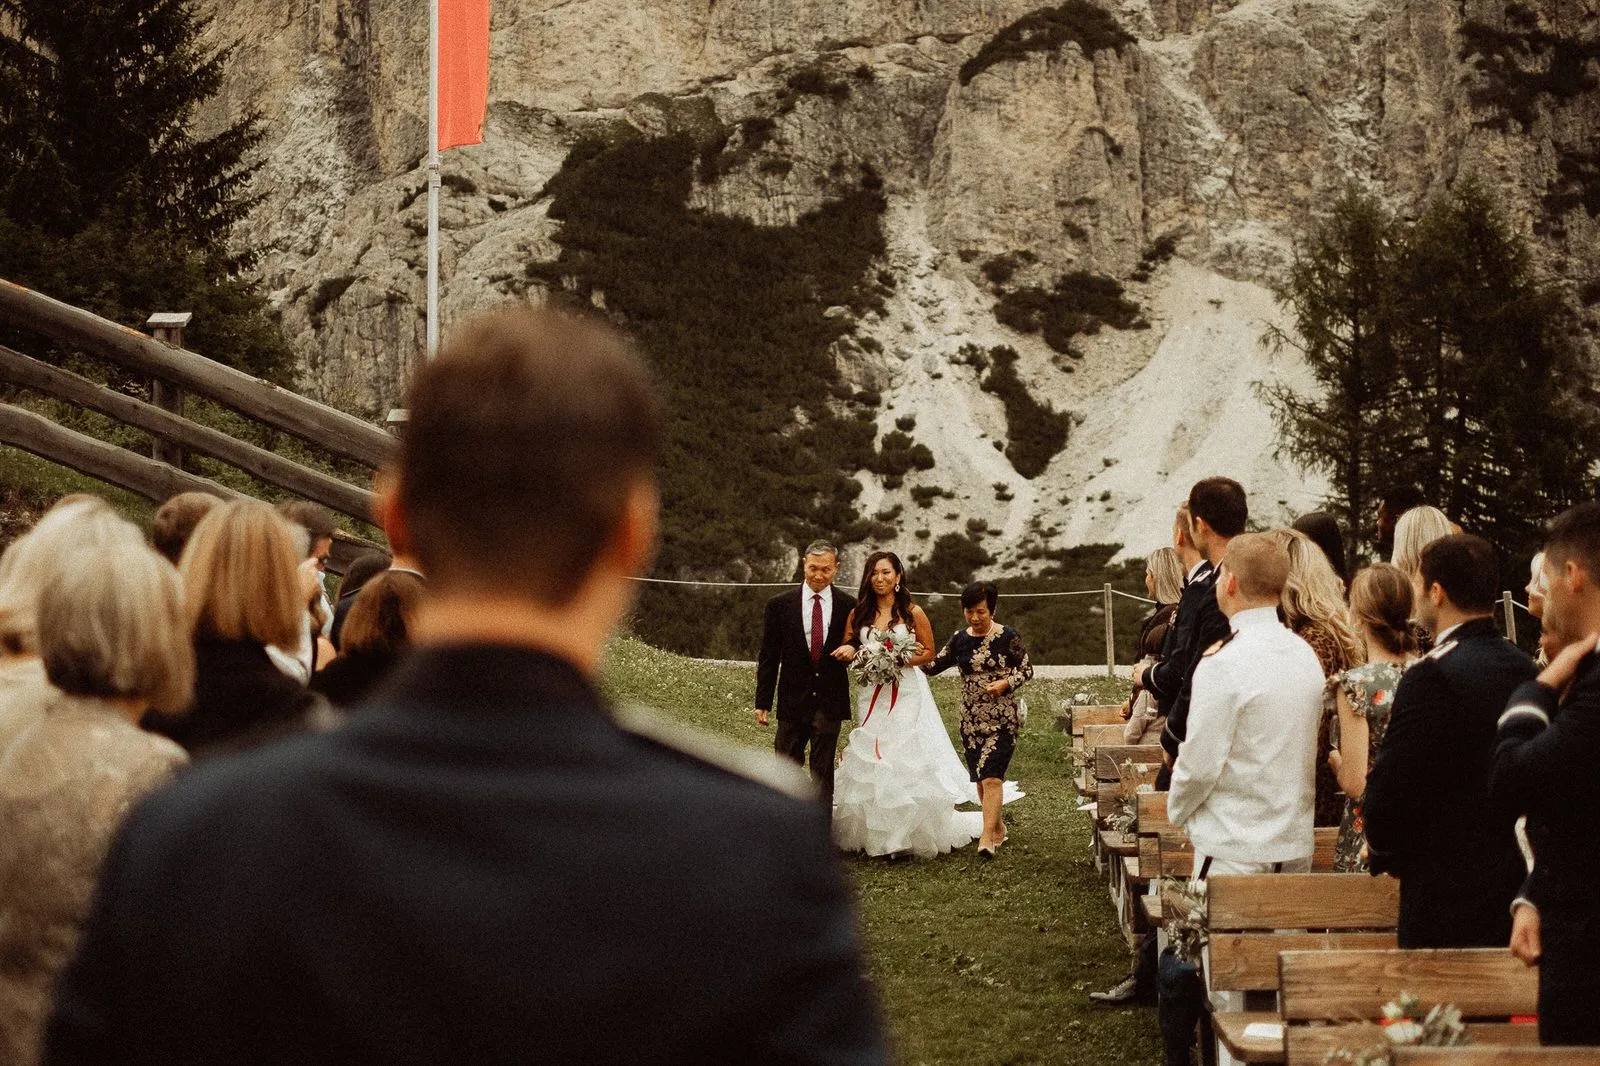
<point x="463" y="71"/>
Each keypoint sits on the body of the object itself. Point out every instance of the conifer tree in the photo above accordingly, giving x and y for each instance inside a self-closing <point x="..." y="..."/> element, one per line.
<point x="108" y="198"/>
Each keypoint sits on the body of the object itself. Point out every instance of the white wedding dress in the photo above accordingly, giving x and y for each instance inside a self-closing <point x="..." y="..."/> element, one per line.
<point x="898" y="784"/>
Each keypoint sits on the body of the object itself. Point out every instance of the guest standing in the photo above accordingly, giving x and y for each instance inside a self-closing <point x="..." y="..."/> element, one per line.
<point x="800" y="631"/>
<point x="364" y="568"/>
<point x="244" y="590"/>
<point x="1544" y="767"/>
<point x="1428" y="815"/>
<point x="993" y="663"/>
<point x="114" y="642"/>
<point x="1381" y="603"/>
<point x="490" y="865"/>
<point x="1323" y="529"/>
<point x="175" y="520"/>
<point x="1163" y="580"/>
<point x="377" y="634"/>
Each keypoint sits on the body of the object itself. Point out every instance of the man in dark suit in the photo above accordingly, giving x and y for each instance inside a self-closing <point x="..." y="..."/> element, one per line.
<point x="802" y="629"/>
<point x="1217" y="511"/>
<point x="488" y="865"/>
<point x="1429" y="818"/>
<point x="1544" y="767"/>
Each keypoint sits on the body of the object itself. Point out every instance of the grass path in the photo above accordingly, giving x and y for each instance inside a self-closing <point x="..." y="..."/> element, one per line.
<point x="978" y="963"/>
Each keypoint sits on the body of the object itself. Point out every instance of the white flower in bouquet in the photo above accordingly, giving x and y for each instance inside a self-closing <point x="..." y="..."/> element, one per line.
<point x="882" y="657"/>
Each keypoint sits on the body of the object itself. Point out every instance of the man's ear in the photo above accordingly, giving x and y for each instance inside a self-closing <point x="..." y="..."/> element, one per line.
<point x="633" y="545"/>
<point x="1577" y="577"/>
<point x="387" y="513"/>
<point x="1436" y="595"/>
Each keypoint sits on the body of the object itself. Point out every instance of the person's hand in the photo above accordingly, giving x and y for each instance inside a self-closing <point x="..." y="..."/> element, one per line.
<point x="1138" y="676"/>
<point x="1525" y="942"/>
<point x="1335" y="761"/>
<point x="1127" y="710"/>
<point x="845" y="652"/>
<point x="310" y="580"/>
<point x="761" y="717"/>
<point x="997" y="688"/>
<point x="1558" y="675"/>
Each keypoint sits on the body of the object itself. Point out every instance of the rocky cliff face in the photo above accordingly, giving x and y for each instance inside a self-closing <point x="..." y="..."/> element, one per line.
<point x="1009" y="156"/>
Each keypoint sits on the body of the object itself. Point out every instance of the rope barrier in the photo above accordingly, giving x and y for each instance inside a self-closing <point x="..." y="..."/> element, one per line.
<point x="935" y="595"/>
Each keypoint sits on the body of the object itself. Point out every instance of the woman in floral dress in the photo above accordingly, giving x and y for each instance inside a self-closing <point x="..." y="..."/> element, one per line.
<point x="994" y="664"/>
<point x="1380" y="602"/>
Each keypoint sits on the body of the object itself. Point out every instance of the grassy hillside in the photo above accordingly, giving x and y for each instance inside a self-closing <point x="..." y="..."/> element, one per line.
<point x="978" y="963"/>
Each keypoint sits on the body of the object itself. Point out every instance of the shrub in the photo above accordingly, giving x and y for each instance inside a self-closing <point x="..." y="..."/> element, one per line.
<point x="1000" y="269"/>
<point x="906" y="423"/>
<point x="814" y="80"/>
<point x="1046" y="30"/>
<point x="950" y="565"/>
<point x="1036" y="431"/>
<point x="924" y="495"/>
<point x="1079" y="304"/>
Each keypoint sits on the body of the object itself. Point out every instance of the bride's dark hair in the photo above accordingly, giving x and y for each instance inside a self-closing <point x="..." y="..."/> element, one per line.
<point x="867" y="600"/>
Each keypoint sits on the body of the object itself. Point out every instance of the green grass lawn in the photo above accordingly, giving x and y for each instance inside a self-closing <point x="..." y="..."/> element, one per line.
<point x="978" y="963"/>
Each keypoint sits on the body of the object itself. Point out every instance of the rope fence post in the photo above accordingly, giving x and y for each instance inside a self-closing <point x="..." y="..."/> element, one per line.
<point x="1510" y="606"/>
<point x="1111" y="639"/>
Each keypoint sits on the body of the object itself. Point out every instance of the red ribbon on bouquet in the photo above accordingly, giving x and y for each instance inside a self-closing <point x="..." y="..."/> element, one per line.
<point x="894" y="694"/>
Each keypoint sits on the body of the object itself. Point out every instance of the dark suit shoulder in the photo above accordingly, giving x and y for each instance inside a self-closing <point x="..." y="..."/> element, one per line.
<point x="787" y="596"/>
<point x="700" y="751"/>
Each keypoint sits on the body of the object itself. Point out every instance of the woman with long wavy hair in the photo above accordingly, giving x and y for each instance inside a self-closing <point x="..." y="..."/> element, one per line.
<point x="899" y="780"/>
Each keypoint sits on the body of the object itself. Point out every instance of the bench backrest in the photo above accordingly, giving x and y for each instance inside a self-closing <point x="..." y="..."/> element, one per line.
<point x="1321" y="992"/>
<point x="1095" y="736"/>
<point x="1497" y="1056"/>
<point x="1174" y="856"/>
<point x="1097" y="715"/>
<point x="1109" y="759"/>
<point x="1153" y="814"/>
<point x="1254" y="917"/>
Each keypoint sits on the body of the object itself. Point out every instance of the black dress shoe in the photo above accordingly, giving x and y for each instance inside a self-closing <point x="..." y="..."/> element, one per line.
<point x="986" y="852"/>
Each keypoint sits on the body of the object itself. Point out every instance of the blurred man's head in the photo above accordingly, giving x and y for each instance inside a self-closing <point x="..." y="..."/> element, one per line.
<point x="527" y="467"/>
<point x="175" y="521"/>
<point x="1252" y="574"/>
<point x="317" y="521"/>
<point x="1572" y="571"/>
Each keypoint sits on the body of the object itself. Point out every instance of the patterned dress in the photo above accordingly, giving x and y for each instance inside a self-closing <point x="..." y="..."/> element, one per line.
<point x="1370" y="690"/>
<point x="989" y="723"/>
<point x="1329" y="804"/>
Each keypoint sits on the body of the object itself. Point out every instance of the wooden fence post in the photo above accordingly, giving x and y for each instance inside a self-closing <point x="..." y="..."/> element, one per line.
<point x="167" y="327"/>
<point x="1111" y="635"/>
<point x="1510" y="606"/>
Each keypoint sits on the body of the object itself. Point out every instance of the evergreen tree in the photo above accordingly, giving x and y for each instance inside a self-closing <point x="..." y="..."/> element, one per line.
<point x="108" y="199"/>
<point x="1340" y="289"/>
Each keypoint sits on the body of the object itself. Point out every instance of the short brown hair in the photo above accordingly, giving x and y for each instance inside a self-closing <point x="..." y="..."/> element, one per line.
<point x="1465" y="567"/>
<point x="175" y="521"/>
<point x="1260" y="562"/>
<point x="240" y="576"/>
<point x="112" y="624"/>
<point x="525" y="438"/>
<point x="1221" y="502"/>
<point x="314" y="518"/>
<point x="380" y="620"/>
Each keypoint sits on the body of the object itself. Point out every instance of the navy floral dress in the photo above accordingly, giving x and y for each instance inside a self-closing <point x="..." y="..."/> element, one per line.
<point x="989" y="723"/>
<point x="1370" y="690"/>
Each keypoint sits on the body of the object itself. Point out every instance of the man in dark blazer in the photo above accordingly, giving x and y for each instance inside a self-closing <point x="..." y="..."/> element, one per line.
<point x="802" y="629"/>
<point x="488" y="865"/>
<point x="1545" y="767"/>
<point x="1429" y="819"/>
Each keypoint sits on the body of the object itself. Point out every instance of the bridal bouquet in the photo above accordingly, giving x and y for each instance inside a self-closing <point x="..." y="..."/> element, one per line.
<point x="882" y="657"/>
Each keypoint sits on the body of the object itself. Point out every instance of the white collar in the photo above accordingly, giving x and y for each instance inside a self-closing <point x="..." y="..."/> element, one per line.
<point x="1444" y="634"/>
<point x="806" y="592"/>
<point x="1254" y="618"/>
<point x="1195" y="569"/>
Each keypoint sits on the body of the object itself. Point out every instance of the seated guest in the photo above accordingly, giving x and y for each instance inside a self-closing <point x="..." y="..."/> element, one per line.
<point x="1380" y="601"/>
<point x="1427" y="811"/>
<point x="489" y="864"/>
<point x="993" y="663"/>
<point x="114" y="642"/>
<point x="1314" y="608"/>
<point x="175" y="521"/>
<point x="377" y="633"/>
<point x="1243" y="784"/>
<point x="364" y="568"/>
<point x="243" y="588"/>
<point x="1544" y="767"/>
<point x="30" y="562"/>
<point x="1163" y="580"/>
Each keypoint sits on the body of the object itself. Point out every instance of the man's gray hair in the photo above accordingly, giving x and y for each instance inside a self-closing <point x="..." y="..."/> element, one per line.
<point x="820" y="547"/>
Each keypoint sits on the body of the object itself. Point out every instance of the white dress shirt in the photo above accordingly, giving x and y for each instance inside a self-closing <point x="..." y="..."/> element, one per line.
<point x="806" y="595"/>
<point x="1245" y="781"/>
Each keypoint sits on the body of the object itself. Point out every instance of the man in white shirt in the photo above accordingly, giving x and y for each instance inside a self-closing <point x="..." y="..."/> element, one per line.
<point x="1245" y="779"/>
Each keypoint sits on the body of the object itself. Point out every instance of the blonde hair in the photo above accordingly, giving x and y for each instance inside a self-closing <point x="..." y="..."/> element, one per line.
<point x="240" y="572"/>
<point x="1314" y="593"/>
<point x="1167" y="572"/>
<point x="112" y="624"/>
<point x="1381" y="598"/>
<point x="34" y="559"/>
<point x="1417" y="528"/>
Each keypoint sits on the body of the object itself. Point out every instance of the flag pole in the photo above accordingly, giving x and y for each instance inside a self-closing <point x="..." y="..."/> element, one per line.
<point x="433" y="179"/>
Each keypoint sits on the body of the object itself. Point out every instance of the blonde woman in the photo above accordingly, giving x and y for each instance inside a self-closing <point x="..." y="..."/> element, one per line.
<point x="1163" y="580"/>
<point x="29" y="563"/>
<point x="242" y="580"/>
<point x="113" y="639"/>
<point x="1417" y="528"/>
<point x="1313" y="606"/>
<point x="1380" y="601"/>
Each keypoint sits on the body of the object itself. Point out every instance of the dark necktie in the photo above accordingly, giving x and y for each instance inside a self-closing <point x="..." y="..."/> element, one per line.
<point x="816" y="628"/>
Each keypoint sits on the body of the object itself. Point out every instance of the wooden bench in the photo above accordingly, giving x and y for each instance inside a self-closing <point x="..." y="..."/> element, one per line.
<point x="1254" y="917"/>
<point x="1322" y="991"/>
<point x="1077" y="718"/>
<point x="1496" y="1056"/>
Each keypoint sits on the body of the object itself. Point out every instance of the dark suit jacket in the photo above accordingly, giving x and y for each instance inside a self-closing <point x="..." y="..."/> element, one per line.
<point x="1198" y="624"/>
<point x="1548" y="772"/>
<point x="483" y="867"/>
<point x="1429" y="817"/>
<point x="785" y="668"/>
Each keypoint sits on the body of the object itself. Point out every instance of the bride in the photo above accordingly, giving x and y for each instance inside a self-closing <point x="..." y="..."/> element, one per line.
<point x="899" y="780"/>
